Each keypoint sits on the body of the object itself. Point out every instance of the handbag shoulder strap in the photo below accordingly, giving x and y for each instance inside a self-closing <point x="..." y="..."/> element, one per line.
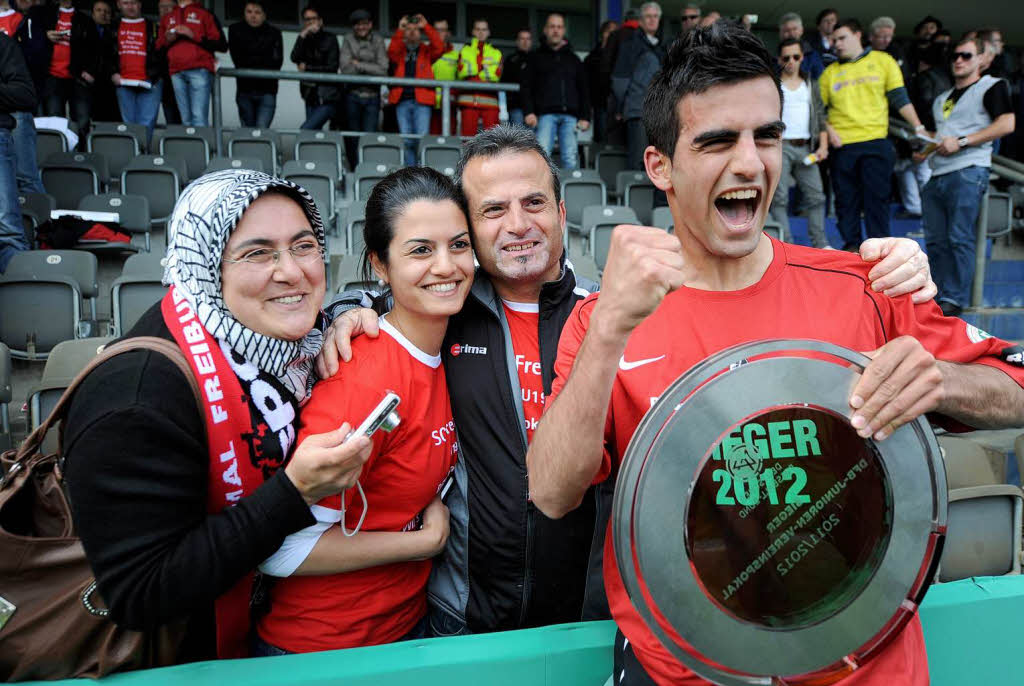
<point x="168" y="349"/>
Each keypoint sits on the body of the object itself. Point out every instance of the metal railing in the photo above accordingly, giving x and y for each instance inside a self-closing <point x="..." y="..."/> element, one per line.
<point x="1001" y="166"/>
<point x="316" y="77"/>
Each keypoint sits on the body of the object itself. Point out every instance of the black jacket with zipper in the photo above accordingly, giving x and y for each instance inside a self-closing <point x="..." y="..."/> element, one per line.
<point x="555" y="83"/>
<point x="16" y="91"/>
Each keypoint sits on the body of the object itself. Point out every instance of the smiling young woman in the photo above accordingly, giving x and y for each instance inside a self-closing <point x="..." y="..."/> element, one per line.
<point x="341" y="590"/>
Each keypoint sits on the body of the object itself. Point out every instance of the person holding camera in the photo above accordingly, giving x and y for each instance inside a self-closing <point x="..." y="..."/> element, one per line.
<point x="359" y="575"/>
<point x="410" y="58"/>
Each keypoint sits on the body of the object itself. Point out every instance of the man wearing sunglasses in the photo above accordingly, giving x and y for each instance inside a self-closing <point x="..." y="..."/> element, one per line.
<point x="689" y="18"/>
<point x="804" y="116"/>
<point x="976" y="111"/>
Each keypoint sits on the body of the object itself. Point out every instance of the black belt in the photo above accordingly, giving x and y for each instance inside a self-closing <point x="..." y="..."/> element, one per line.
<point x="799" y="142"/>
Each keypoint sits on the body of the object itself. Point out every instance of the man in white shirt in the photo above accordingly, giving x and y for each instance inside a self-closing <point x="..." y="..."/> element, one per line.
<point x="804" y="116"/>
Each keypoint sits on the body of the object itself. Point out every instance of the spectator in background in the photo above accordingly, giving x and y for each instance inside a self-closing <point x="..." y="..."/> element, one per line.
<point x="16" y="95"/>
<point x="942" y="36"/>
<point x="170" y="105"/>
<point x="25" y="130"/>
<point x="689" y="17"/>
<point x="821" y="38"/>
<point x="104" y="97"/>
<point x="255" y="44"/>
<point x="638" y="61"/>
<point x="410" y="58"/>
<point x="191" y="34"/>
<point x="804" y="116"/>
<point x="445" y="68"/>
<point x="993" y="61"/>
<point x="927" y="27"/>
<point x="930" y="79"/>
<point x="479" y="61"/>
<point x="363" y="53"/>
<point x="556" y="98"/>
<point x="316" y="50"/>
<point x="791" y="26"/>
<point x="514" y="71"/>
<point x="139" y="67"/>
<point x="858" y="91"/>
<point x="615" y="128"/>
<point x="599" y="82"/>
<point x="73" y="61"/>
<point x="968" y="118"/>
<point x="881" y="32"/>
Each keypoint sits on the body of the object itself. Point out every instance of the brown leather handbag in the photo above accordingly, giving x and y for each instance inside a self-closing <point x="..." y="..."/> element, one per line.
<point x="52" y="622"/>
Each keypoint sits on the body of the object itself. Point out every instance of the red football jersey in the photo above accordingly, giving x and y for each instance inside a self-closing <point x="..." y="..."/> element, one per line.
<point x="805" y="293"/>
<point x="131" y="49"/>
<point x="60" y="62"/>
<point x="10" y="20"/>
<point x="523" y="324"/>
<point x="403" y="474"/>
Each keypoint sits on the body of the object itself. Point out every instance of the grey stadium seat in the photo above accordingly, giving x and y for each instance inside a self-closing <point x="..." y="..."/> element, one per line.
<point x="136" y="290"/>
<point x="220" y="163"/>
<point x="319" y="179"/>
<point x="440" y="152"/>
<point x="50" y="281"/>
<point x="609" y="162"/>
<point x="366" y="176"/>
<point x="48" y="142"/>
<point x="354" y="228"/>
<point x="159" y="179"/>
<point x="119" y="143"/>
<point x="193" y="144"/>
<point x="599" y="222"/>
<point x="635" y="190"/>
<point x="581" y="188"/>
<point x="70" y="176"/>
<point x="132" y="210"/>
<point x="983" y="534"/>
<point x="381" y="147"/>
<point x="322" y="146"/>
<point x="264" y="144"/>
<point x="38" y="206"/>
<point x="63" y="364"/>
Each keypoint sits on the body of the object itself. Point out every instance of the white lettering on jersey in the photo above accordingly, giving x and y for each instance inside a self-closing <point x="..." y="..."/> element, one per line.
<point x="459" y="349"/>
<point x="442" y="434"/>
<point x="527" y="367"/>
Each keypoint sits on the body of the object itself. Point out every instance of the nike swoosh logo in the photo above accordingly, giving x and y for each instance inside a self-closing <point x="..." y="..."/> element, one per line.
<point x="626" y="366"/>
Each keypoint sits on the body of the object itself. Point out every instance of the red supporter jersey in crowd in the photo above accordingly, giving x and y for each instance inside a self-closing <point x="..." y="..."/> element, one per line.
<point x="10" y="20"/>
<point x="805" y="293"/>
<point x="60" y="62"/>
<point x="523" y="324"/>
<point x="131" y="48"/>
<point x="188" y="53"/>
<point x="403" y="474"/>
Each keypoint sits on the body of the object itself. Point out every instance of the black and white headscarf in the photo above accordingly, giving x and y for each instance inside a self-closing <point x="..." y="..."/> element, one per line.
<point x="200" y="225"/>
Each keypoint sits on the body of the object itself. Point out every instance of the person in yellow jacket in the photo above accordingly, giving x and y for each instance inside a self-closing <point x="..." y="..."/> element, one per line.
<point x="478" y="61"/>
<point x="446" y="68"/>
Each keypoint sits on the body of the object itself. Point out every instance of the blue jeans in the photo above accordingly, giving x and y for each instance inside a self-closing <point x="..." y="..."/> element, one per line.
<point x="565" y="126"/>
<point x="192" y="92"/>
<point x="861" y="180"/>
<point x="12" y="235"/>
<point x="515" y="116"/>
<point x="318" y="115"/>
<point x="363" y="111"/>
<point x="256" y="109"/>
<point x="412" y="118"/>
<point x="141" y="106"/>
<point x="76" y="95"/>
<point x="24" y="133"/>
<point x="950" y="205"/>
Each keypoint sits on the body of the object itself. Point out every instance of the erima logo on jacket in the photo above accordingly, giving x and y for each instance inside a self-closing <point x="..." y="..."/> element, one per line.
<point x="461" y="348"/>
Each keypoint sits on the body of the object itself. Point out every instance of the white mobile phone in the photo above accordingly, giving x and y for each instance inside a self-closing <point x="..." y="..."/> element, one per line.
<point x="382" y="417"/>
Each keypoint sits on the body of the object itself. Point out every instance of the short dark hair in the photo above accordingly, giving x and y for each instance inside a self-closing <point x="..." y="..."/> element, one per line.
<point x="388" y="200"/>
<point x="499" y="140"/>
<point x="824" y="13"/>
<point x="478" y="20"/>
<point x="851" y="24"/>
<point x="310" y="7"/>
<point x="791" y="41"/>
<point x="714" y="55"/>
<point x="260" y="3"/>
<point x="928" y="19"/>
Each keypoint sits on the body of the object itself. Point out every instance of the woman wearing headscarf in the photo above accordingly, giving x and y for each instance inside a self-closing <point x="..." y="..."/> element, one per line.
<point x="176" y="505"/>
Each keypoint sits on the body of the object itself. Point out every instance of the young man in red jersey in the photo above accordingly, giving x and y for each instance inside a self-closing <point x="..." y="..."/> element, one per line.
<point x="669" y="301"/>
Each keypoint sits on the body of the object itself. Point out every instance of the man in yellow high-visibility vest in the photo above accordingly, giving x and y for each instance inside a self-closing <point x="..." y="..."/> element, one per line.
<point x="478" y="61"/>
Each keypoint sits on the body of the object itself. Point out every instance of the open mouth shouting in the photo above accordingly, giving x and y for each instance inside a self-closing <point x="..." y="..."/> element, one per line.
<point x="738" y="207"/>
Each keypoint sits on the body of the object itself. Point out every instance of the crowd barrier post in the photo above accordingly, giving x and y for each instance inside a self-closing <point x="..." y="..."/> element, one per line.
<point x="980" y="240"/>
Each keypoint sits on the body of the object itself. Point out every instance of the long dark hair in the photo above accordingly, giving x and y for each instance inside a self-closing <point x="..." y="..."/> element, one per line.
<point x="388" y="201"/>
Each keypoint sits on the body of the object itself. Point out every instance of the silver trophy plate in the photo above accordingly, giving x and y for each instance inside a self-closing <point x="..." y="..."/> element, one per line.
<point x="752" y="522"/>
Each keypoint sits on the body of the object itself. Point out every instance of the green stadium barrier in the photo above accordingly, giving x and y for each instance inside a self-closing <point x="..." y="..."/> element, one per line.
<point x="970" y="629"/>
